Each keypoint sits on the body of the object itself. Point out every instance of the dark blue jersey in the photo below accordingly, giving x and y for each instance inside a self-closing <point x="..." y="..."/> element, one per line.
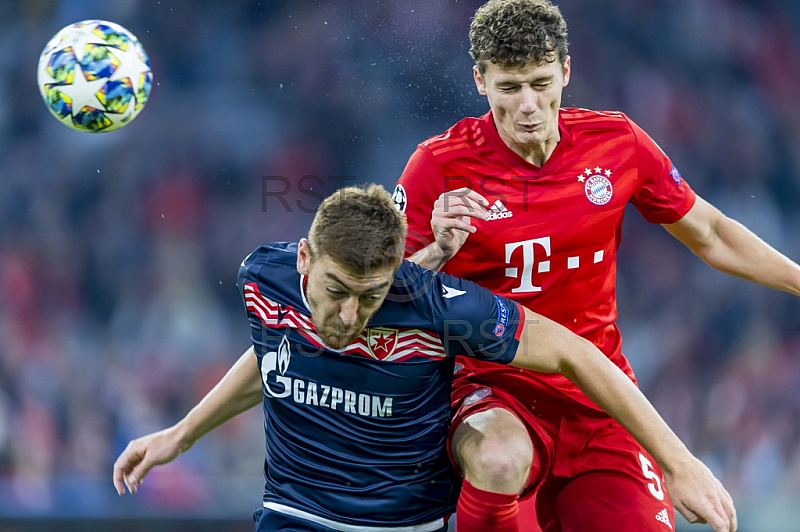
<point x="358" y="437"/>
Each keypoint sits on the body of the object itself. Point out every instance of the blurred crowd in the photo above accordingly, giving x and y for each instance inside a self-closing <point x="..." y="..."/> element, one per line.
<point x="119" y="251"/>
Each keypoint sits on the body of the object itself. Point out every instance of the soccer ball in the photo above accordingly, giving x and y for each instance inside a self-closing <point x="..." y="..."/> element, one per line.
<point x="94" y="76"/>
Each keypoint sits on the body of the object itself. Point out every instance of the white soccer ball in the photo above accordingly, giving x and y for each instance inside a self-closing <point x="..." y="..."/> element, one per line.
<point x="94" y="76"/>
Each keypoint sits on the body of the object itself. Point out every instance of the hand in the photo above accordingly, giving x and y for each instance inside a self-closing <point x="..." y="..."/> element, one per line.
<point x="450" y="219"/>
<point x="141" y="455"/>
<point x="701" y="498"/>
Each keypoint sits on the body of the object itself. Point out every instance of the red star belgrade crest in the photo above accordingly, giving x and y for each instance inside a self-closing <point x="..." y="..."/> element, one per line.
<point x="381" y="342"/>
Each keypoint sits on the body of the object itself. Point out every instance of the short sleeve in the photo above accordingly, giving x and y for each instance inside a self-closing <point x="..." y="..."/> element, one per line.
<point x="662" y="196"/>
<point x="469" y="319"/>
<point x="415" y="194"/>
<point x="247" y="278"/>
<point x="245" y="274"/>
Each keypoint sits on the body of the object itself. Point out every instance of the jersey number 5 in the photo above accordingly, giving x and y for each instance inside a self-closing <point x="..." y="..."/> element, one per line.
<point x="650" y="474"/>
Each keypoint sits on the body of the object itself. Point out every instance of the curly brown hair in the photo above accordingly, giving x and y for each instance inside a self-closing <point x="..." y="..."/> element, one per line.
<point x="360" y="229"/>
<point x="515" y="33"/>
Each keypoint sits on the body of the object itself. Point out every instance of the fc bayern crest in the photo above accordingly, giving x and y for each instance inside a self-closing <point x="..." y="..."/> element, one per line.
<point x="598" y="189"/>
<point x="381" y="341"/>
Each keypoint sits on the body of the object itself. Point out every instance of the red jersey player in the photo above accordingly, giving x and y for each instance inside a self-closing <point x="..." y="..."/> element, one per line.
<point x="534" y="196"/>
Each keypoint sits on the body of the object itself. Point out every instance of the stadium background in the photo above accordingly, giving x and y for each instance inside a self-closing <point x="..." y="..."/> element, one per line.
<point x="118" y="252"/>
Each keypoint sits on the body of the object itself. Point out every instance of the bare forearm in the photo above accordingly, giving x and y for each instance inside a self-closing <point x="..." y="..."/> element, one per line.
<point x="693" y="489"/>
<point x="739" y="252"/>
<point x="431" y="257"/>
<point x="238" y="391"/>
<point x="610" y="389"/>
<point x="549" y="347"/>
<point x="730" y="247"/>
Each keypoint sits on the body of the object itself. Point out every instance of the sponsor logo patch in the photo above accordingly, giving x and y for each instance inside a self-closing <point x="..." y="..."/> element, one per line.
<point x="675" y="174"/>
<point x="279" y="385"/>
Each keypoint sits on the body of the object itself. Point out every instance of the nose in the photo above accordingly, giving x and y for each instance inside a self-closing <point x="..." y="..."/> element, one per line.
<point x="528" y="100"/>
<point x="348" y="312"/>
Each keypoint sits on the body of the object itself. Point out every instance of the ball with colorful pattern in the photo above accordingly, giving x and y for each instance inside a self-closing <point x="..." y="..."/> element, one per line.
<point x="94" y="76"/>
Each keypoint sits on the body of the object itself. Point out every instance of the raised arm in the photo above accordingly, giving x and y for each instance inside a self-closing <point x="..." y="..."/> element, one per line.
<point x="549" y="347"/>
<point x="450" y="222"/>
<point x="239" y="390"/>
<point x="730" y="247"/>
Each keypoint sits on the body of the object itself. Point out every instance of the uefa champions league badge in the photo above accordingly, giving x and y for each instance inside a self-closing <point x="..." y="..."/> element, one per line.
<point x="597" y="185"/>
<point x="676" y="176"/>
<point x="399" y="198"/>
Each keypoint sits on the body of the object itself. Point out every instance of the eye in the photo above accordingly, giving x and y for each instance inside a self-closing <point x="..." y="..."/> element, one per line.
<point x="372" y="298"/>
<point x="333" y="292"/>
<point x="508" y="89"/>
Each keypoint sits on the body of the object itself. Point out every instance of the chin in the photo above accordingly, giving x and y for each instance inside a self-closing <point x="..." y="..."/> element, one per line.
<point x="338" y="342"/>
<point x="529" y="138"/>
<point x="332" y="342"/>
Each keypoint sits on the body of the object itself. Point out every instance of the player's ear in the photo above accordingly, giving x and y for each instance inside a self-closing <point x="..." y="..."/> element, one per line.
<point x="303" y="257"/>
<point x="479" y="82"/>
<point x="567" y="69"/>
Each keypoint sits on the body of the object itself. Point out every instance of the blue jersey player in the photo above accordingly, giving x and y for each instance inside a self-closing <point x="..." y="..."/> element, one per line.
<point x="355" y="355"/>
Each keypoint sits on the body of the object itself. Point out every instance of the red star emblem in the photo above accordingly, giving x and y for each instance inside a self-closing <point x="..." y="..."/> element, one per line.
<point x="381" y="342"/>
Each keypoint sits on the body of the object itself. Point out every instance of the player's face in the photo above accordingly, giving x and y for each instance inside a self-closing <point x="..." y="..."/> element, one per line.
<point x="525" y="102"/>
<point x="341" y="302"/>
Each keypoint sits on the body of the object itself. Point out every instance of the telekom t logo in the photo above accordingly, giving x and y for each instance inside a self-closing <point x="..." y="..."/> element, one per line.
<point x="530" y="253"/>
<point x="528" y="260"/>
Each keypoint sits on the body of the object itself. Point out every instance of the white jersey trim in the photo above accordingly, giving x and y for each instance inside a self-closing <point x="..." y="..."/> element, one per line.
<point x="431" y="526"/>
<point x="303" y="292"/>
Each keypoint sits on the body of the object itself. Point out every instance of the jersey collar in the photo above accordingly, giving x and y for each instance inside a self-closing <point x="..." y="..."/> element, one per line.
<point x="303" y="283"/>
<point x="500" y="147"/>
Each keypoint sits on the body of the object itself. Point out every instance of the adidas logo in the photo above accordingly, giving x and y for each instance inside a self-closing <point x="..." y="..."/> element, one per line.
<point x="499" y="212"/>
<point x="663" y="516"/>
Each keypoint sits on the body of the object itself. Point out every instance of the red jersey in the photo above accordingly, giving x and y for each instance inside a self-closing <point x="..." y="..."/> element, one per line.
<point x="551" y="240"/>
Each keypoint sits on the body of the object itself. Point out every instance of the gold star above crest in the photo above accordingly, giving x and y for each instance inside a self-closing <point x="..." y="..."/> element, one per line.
<point x="594" y="171"/>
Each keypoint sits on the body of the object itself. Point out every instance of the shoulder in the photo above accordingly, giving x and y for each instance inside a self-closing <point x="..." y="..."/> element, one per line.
<point x="434" y="293"/>
<point x="275" y="254"/>
<point x="463" y="138"/>
<point x="411" y="278"/>
<point x="269" y="263"/>
<point x="579" y="120"/>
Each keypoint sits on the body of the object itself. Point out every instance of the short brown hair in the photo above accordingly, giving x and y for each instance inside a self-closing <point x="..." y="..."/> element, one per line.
<point x="516" y="33"/>
<point x="360" y="229"/>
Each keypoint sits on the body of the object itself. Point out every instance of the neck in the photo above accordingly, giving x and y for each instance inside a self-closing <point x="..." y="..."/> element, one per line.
<point x="536" y="153"/>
